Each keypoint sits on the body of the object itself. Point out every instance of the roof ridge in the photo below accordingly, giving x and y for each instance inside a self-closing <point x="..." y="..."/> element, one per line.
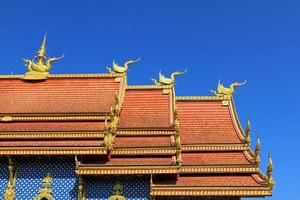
<point x="4" y="76"/>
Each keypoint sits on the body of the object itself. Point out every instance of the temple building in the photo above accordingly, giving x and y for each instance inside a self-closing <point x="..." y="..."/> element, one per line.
<point x="92" y="136"/>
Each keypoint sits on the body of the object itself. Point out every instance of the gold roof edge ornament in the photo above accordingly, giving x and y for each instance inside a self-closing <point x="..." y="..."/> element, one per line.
<point x="257" y="151"/>
<point x="270" y="179"/>
<point x="163" y="80"/>
<point x="248" y="131"/>
<point x="223" y="91"/>
<point x="39" y="67"/>
<point x="121" y="69"/>
<point x="118" y="192"/>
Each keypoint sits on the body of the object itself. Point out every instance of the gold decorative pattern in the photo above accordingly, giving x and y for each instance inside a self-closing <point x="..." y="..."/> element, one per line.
<point x="49" y="135"/>
<point x="147" y="151"/>
<point x="52" y="151"/>
<point x="191" y="191"/>
<point x="145" y="132"/>
<point x="133" y="87"/>
<point x="123" y="170"/>
<point x="218" y="169"/>
<point x="199" y="98"/>
<point x="225" y="147"/>
<point x="52" y="118"/>
<point x="46" y="190"/>
<point x="118" y="192"/>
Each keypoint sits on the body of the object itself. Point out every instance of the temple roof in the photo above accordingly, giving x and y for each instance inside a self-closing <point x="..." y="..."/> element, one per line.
<point x="116" y="129"/>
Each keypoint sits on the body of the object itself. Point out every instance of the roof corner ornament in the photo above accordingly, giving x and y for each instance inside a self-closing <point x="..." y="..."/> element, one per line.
<point x="226" y="92"/>
<point x="271" y="182"/>
<point x="247" y="134"/>
<point x="118" y="192"/>
<point x="163" y="80"/>
<point x="39" y="68"/>
<point x="121" y="69"/>
<point x="257" y="151"/>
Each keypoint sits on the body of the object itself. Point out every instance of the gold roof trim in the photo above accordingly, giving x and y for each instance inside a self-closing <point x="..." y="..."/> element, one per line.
<point x="218" y="169"/>
<point x="49" y="135"/>
<point x="132" y="87"/>
<point x="197" y="98"/>
<point x="221" y="191"/>
<point x="52" y="151"/>
<point x="108" y="75"/>
<point x="153" y="151"/>
<point x="215" y="147"/>
<point x="9" y="118"/>
<point x="145" y="132"/>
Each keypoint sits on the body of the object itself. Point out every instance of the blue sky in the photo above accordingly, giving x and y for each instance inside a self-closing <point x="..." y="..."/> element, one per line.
<point x="257" y="41"/>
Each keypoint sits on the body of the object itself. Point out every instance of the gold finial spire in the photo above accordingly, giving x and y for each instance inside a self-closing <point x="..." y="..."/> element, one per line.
<point x="257" y="151"/>
<point x="248" y="129"/>
<point x="39" y="68"/>
<point x="270" y="172"/>
<point x="41" y="54"/>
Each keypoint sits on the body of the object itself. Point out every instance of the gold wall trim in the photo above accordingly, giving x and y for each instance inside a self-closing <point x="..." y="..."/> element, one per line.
<point x="145" y="132"/>
<point x="8" y="118"/>
<point x="61" y="151"/>
<point x="218" y="169"/>
<point x="67" y="76"/>
<point x="215" y="147"/>
<point x="132" y="87"/>
<point x="197" y="98"/>
<point x="125" y="171"/>
<point x="143" y="151"/>
<point x="49" y="135"/>
<point x="192" y="191"/>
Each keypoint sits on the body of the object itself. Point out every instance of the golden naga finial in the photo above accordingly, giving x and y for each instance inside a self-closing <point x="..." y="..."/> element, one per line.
<point x="270" y="172"/>
<point x="167" y="81"/>
<point x="257" y="151"/>
<point x="121" y="69"/>
<point x="223" y="91"/>
<point x="248" y="130"/>
<point x="39" y="69"/>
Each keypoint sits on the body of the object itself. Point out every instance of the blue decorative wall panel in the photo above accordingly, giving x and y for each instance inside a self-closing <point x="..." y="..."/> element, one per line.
<point x="3" y="175"/>
<point x="134" y="187"/>
<point x="32" y="170"/>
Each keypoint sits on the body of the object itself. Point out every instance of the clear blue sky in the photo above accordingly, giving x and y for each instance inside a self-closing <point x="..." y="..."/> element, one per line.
<point x="257" y="41"/>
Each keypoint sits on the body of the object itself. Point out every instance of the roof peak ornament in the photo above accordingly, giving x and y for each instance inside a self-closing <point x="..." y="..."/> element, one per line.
<point x="163" y="80"/>
<point x="38" y="68"/>
<point x="270" y="172"/>
<point x="121" y="69"/>
<point x="257" y="151"/>
<point x="223" y="91"/>
<point x="118" y="192"/>
<point x="248" y="130"/>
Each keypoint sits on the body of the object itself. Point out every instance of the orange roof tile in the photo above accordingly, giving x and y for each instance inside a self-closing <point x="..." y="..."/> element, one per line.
<point x="207" y="180"/>
<point x="146" y="108"/>
<point x="156" y="141"/>
<point x="58" y="95"/>
<point x="203" y="122"/>
<point x="52" y="126"/>
<point x="215" y="158"/>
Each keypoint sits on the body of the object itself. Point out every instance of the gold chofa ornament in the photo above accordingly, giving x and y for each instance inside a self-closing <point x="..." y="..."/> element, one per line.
<point x="167" y="81"/>
<point x="118" y="192"/>
<point x="121" y="69"/>
<point x="38" y="68"/>
<point x="223" y="91"/>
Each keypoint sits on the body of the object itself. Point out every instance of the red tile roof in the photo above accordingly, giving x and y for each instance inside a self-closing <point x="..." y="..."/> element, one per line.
<point x="146" y="108"/>
<point x="207" y="180"/>
<point x="215" y="158"/>
<point x="52" y="126"/>
<point x="58" y="95"/>
<point x="156" y="141"/>
<point x="203" y="122"/>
